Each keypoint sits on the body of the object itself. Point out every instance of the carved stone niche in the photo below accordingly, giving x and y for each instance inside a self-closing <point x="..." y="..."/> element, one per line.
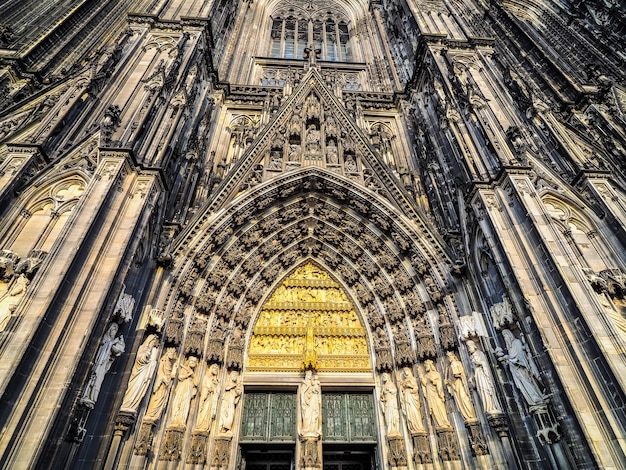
<point x="446" y="330"/>
<point x="405" y="357"/>
<point x="425" y="340"/>
<point x="195" y="337"/>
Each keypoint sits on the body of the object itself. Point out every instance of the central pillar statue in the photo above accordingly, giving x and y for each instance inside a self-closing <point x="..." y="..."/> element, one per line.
<point x="310" y="422"/>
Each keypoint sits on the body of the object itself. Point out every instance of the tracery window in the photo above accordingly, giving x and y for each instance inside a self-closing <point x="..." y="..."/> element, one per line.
<point x="324" y="29"/>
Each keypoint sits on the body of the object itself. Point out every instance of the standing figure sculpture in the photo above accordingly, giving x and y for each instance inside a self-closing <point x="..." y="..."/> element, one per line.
<point x="110" y="348"/>
<point x="185" y="391"/>
<point x="457" y="386"/>
<point x="158" y="400"/>
<point x="310" y="405"/>
<point x="208" y="398"/>
<point x="411" y="401"/>
<point x="433" y="390"/>
<point x="143" y="369"/>
<point x="389" y="399"/>
<point x="482" y="380"/>
<point x="232" y="393"/>
<point x="524" y="373"/>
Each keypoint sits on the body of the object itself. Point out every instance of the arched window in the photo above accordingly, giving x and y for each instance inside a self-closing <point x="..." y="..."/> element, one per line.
<point x="293" y="31"/>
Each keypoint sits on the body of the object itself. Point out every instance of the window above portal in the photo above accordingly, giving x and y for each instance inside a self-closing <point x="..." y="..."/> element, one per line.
<point x="322" y="25"/>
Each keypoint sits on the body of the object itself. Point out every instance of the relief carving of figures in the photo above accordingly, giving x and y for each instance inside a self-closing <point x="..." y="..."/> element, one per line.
<point x="389" y="400"/>
<point x="410" y="398"/>
<point x="433" y="391"/>
<point x="523" y="370"/>
<point x="310" y="405"/>
<point x="208" y="398"/>
<point x="110" y="348"/>
<point x="158" y="400"/>
<point x="185" y="391"/>
<point x="457" y="386"/>
<point x="143" y="369"/>
<point x="10" y="301"/>
<point x="232" y="393"/>
<point x="482" y="380"/>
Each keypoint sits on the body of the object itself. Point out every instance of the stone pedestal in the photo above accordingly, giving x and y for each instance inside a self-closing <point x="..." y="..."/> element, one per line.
<point x="421" y="449"/>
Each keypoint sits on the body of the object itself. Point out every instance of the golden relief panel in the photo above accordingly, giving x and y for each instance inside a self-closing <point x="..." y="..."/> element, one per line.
<point x="308" y="322"/>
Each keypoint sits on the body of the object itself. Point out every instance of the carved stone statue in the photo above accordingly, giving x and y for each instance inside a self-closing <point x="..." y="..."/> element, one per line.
<point x="110" y="348"/>
<point x="483" y="381"/>
<point x="208" y="398"/>
<point x="9" y="302"/>
<point x="185" y="391"/>
<point x="389" y="399"/>
<point x="457" y="386"/>
<point x="312" y="140"/>
<point x="310" y="405"/>
<point x="525" y="374"/>
<point x="158" y="400"/>
<point x="232" y="393"/>
<point x="124" y="307"/>
<point x="411" y="401"/>
<point x="433" y="390"/>
<point x="143" y="369"/>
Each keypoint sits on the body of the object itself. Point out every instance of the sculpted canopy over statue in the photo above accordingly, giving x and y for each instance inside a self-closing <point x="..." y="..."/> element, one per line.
<point x="411" y="401"/>
<point x="232" y="393"/>
<point x="185" y="391"/>
<point x="310" y="405"/>
<point x="208" y="398"/>
<point x="158" y="400"/>
<point x="457" y="386"/>
<point x="145" y="365"/>
<point x="433" y="390"/>
<point x="525" y="374"/>
<point x="483" y="381"/>
<point x="110" y="348"/>
<point x="389" y="399"/>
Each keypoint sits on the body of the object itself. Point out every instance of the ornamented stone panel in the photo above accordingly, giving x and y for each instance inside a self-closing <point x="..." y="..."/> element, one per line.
<point x="308" y="321"/>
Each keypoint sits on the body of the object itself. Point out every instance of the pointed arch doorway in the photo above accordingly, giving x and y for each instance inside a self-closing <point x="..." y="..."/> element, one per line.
<point x="308" y="329"/>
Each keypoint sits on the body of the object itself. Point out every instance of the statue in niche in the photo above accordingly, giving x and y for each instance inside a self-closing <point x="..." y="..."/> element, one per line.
<point x="433" y="390"/>
<point x="349" y="164"/>
<point x="232" y="394"/>
<point x="185" y="391"/>
<point x="110" y="348"/>
<point x="208" y="398"/>
<point x="312" y="143"/>
<point x="144" y="367"/>
<point x="410" y="399"/>
<point x="158" y="400"/>
<point x="482" y="380"/>
<point x="523" y="370"/>
<point x="332" y="155"/>
<point x="294" y="153"/>
<point x="457" y="386"/>
<point x="10" y="301"/>
<point x="502" y="312"/>
<point x="310" y="405"/>
<point x="389" y="399"/>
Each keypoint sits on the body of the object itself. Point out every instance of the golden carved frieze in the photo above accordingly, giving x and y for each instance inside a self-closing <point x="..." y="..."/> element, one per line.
<point x="308" y="321"/>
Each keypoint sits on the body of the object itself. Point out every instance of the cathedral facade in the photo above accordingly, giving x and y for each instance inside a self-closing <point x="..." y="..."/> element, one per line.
<point x="313" y="234"/>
